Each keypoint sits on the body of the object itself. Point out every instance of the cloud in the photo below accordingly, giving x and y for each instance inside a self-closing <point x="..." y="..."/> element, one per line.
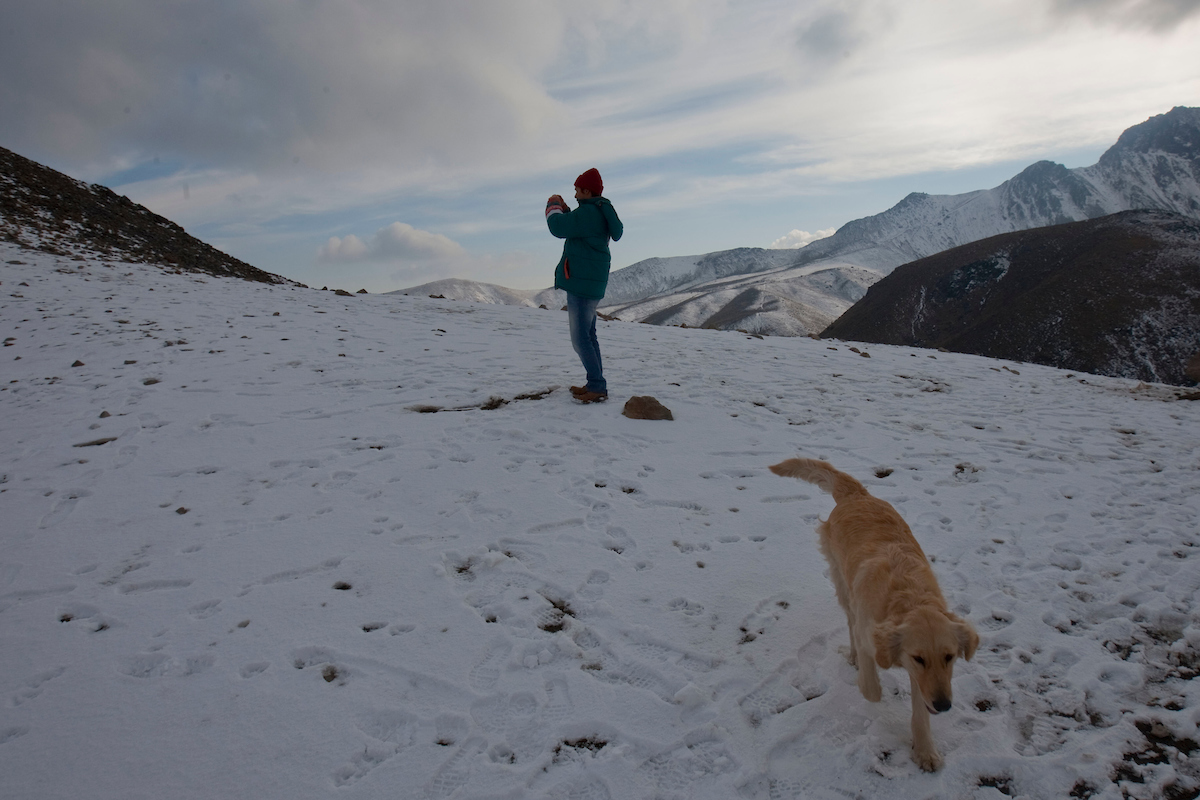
<point x="275" y="86"/>
<point x="833" y="35"/>
<point x="403" y="242"/>
<point x="350" y="248"/>
<point x="422" y="92"/>
<point x="1154" y="15"/>
<point x="355" y="101"/>
<point x="397" y="243"/>
<point x="799" y="238"/>
<point x="259" y="122"/>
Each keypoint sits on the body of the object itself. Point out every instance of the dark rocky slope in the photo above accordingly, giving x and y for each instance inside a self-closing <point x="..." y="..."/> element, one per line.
<point x="1117" y="296"/>
<point x="45" y="210"/>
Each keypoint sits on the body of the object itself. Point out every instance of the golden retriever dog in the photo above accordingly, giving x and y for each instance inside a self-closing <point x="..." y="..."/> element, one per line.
<point x="896" y="612"/>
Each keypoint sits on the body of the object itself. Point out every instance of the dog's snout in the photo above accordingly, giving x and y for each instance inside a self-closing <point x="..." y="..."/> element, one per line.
<point x="941" y="705"/>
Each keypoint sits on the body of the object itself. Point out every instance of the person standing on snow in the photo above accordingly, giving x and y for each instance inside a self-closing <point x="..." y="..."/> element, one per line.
<point x="582" y="272"/>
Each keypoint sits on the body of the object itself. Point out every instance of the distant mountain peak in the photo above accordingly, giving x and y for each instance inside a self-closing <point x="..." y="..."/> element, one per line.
<point x="1042" y="170"/>
<point x="1155" y="165"/>
<point x="912" y="199"/>
<point x="1175" y="133"/>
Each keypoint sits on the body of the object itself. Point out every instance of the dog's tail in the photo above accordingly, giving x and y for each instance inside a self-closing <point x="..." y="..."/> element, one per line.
<point x="823" y="474"/>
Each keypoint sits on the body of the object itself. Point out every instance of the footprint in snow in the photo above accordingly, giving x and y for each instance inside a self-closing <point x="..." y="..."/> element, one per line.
<point x="607" y="667"/>
<point x="14" y="732"/>
<point x="996" y="620"/>
<point x="154" y="586"/>
<point x="254" y="669"/>
<point x="63" y="508"/>
<point x="528" y="553"/>
<point x="125" y="456"/>
<point x="552" y="527"/>
<point x="77" y="613"/>
<point x="618" y="541"/>
<point x="389" y="733"/>
<point x="598" y="515"/>
<point x="774" y="695"/>
<point x="685" y="606"/>
<point x="558" y="705"/>
<point x="205" y="609"/>
<point x="582" y="789"/>
<point x="593" y="588"/>
<point x="371" y="756"/>
<point x="646" y="647"/>
<point x="677" y="772"/>
<point x="36" y="685"/>
<point x="1046" y="705"/>
<point x="293" y="574"/>
<point x="486" y="673"/>
<point x="500" y="714"/>
<point x="454" y="774"/>
<point x="764" y="617"/>
<point x="18" y="597"/>
<point x="158" y="665"/>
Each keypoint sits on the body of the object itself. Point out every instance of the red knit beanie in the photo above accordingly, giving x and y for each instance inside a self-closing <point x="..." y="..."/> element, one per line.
<point x="590" y="180"/>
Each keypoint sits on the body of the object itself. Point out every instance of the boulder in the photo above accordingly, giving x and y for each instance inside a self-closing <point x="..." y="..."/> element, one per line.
<point x="646" y="407"/>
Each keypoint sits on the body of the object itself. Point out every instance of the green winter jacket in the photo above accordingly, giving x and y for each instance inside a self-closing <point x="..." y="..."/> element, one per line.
<point x="586" y="258"/>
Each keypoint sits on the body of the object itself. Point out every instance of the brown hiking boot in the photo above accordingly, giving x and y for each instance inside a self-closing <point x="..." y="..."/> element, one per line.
<point x="591" y="397"/>
<point x="578" y="390"/>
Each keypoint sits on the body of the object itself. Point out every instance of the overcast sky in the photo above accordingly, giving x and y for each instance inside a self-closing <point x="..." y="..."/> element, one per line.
<point x="385" y="143"/>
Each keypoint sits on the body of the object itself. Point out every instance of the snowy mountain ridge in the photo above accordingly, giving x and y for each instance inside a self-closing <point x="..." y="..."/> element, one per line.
<point x="662" y="275"/>
<point x="474" y="291"/>
<point x="1153" y="165"/>
<point x="788" y="301"/>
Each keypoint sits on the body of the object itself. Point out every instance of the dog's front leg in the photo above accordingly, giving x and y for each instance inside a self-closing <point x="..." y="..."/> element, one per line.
<point x="852" y="657"/>
<point x="843" y="597"/>
<point x="868" y="677"/>
<point x="924" y="752"/>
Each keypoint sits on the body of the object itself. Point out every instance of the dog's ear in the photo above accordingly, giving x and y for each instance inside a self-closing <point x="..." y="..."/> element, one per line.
<point x="968" y="639"/>
<point x="887" y="638"/>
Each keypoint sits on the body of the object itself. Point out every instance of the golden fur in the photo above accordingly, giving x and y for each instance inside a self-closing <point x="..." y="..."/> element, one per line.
<point x="895" y="610"/>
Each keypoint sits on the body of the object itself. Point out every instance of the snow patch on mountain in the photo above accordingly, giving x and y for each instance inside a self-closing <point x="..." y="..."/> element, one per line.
<point x="661" y="275"/>
<point x="784" y="302"/>
<point x="798" y="238"/>
<point x="1154" y="165"/>
<point x="474" y="291"/>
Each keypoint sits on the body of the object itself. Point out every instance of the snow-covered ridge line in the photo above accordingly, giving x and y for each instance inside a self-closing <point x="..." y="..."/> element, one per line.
<point x="1155" y="165"/>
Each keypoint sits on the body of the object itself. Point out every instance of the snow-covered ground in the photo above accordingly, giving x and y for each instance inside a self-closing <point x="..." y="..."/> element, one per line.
<point x="237" y="560"/>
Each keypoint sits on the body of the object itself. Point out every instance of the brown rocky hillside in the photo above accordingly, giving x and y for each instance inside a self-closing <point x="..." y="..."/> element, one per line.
<point x="45" y="210"/>
<point x="1117" y="296"/>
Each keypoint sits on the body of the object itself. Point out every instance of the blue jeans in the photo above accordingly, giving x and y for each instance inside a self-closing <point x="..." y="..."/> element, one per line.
<point x="581" y="319"/>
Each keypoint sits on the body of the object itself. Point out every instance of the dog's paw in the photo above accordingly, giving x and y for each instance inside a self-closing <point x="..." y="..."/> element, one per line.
<point x="929" y="760"/>
<point x="850" y="655"/>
